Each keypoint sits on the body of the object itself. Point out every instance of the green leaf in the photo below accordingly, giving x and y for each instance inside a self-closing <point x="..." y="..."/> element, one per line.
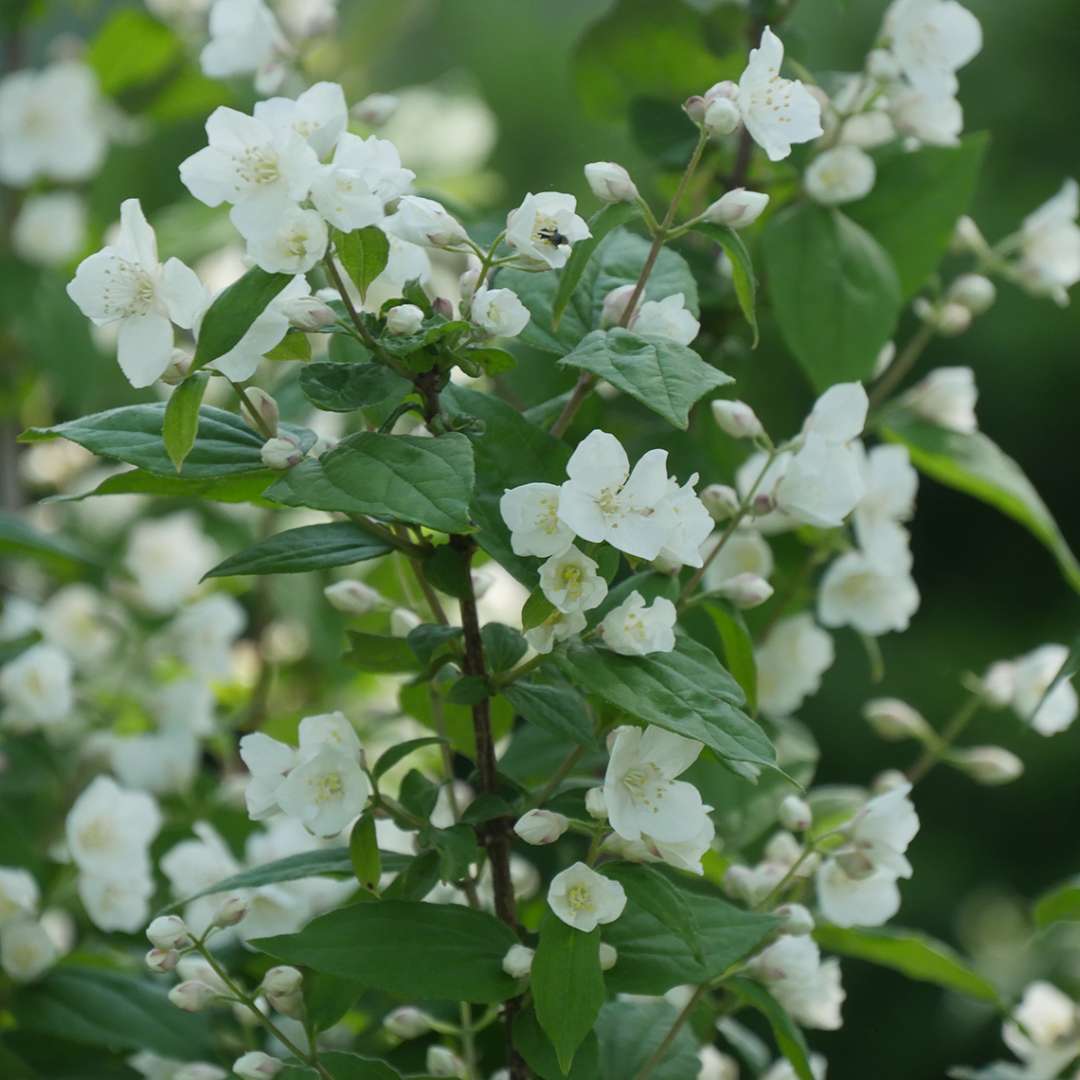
<point x="343" y="1065"/>
<point x="536" y="610"/>
<point x="490" y="360"/>
<point x="558" y="709"/>
<point x="618" y="260"/>
<point x="457" y="850"/>
<point x="430" y="642"/>
<point x="975" y="465"/>
<point x="181" y="423"/>
<point x="364" y="254"/>
<point x="380" y="652"/>
<point x="327" y="999"/>
<point x="834" y="290"/>
<point x="297" y="551"/>
<point x="685" y="691"/>
<point x="470" y="690"/>
<point x="742" y="269"/>
<point x="912" y="954"/>
<point x="396" y="477"/>
<point x="105" y="1008"/>
<point x="293" y="346"/>
<point x="916" y="201"/>
<point x="651" y="891"/>
<point x="653" y="959"/>
<point x="567" y="985"/>
<point x="789" y="1039"/>
<point x="389" y="758"/>
<point x="234" y="488"/>
<point x="738" y="647"/>
<point x="540" y="1056"/>
<point x="345" y="387"/>
<point x="509" y="451"/>
<point x="663" y="130"/>
<point x="418" y="878"/>
<point x="600" y="224"/>
<point x="19" y="539"/>
<point x="447" y="568"/>
<point x="663" y="375"/>
<point x="230" y="316"/>
<point x="131" y="49"/>
<point x="630" y="1032"/>
<point x="364" y="851"/>
<point x="415" y="950"/>
<point x="418" y="794"/>
<point x="503" y="646"/>
<point x="1060" y="904"/>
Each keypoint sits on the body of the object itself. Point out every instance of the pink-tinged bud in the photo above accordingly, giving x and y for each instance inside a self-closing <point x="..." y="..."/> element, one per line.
<point x="162" y="960"/>
<point x="284" y="990"/>
<point x="169" y="932"/>
<point x="233" y="911"/>
<point x="989" y="765"/>
<point x="738" y="882"/>
<point x="609" y="956"/>
<point x="442" y="1061"/>
<point x="375" y="109"/>
<point x="404" y="319"/>
<point x="467" y="282"/>
<point x="721" y="500"/>
<point x="973" y="291"/>
<point x="737" y="208"/>
<point x="614" y="307"/>
<point x="737" y="419"/>
<point x="266" y="408"/>
<point x="797" y="919"/>
<point x="795" y="814"/>
<point x="763" y="504"/>
<point x="193" y="996"/>
<point x="695" y="107"/>
<point x="894" y="720"/>
<point x="610" y="182"/>
<point x="441" y="306"/>
<point x="722" y="117"/>
<point x="257" y="1066"/>
<point x="541" y="827"/>
<point x="407" y="1022"/>
<point x="352" y="597"/>
<point x="725" y="90"/>
<point x="517" y="963"/>
<point x="745" y="590"/>
<point x="281" y="452"/>
<point x="309" y="313"/>
<point x="596" y="804"/>
<point x="179" y="368"/>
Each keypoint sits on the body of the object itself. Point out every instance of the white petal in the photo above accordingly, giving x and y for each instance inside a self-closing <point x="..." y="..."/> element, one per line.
<point x="183" y="293"/>
<point x="144" y="348"/>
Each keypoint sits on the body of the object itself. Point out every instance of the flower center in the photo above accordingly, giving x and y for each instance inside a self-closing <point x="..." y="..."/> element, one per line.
<point x="257" y="166"/>
<point x="572" y="581"/>
<point x="97" y="836"/>
<point x="579" y="898"/>
<point x="129" y="289"/>
<point x="328" y="786"/>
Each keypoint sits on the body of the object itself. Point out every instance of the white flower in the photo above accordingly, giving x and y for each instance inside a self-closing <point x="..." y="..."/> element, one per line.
<point x="805" y="986"/>
<point x="186" y="702"/>
<point x="531" y="513"/>
<point x="937" y="121"/>
<point x="869" y="900"/>
<point x="946" y="397"/>
<point x="50" y="229"/>
<point x="365" y="174"/>
<point x="352" y="597"/>
<point x="541" y="826"/>
<point x="1050" y="245"/>
<point x="603" y="501"/>
<point x="1031" y="678"/>
<point x="716" y="1066"/>
<point x="281" y="452"/>
<point x="52" y="124"/>
<point x="668" y="318"/>
<point x="109" y="829"/>
<point x="839" y="415"/>
<point x="737" y="419"/>
<point x="318" y="115"/>
<point x="821" y="484"/>
<point x="255" y="1065"/>
<point x="268" y="761"/>
<point x="124" y="283"/>
<point x="842" y="174"/>
<point x="425" y="222"/>
<point x="556" y="627"/>
<point x="326" y="792"/>
<point x="868" y="129"/>
<point x="684" y="854"/>
<point x="738" y="208"/>
<point x="610" y="182"/>
<point x="18" y="894"/>
<point x="403" y="621"/>
<point x="202" y="634"/>
<point x="784" y="1070"/>
<point x="1044" y="1031"/>
<point x="890" y="482"/>
<point x="244" y="39"/>
<point x="195" y="864"/>
<point x="282" y="238"/>
<point x="77" y="620"/>
<point x="545" y="227"/>
<point x="931" y="40"/>
<point x="791" y="661"/>
<point x="249" y="159"/>
<point x="869" y="590"/>
<point x="613" y="309"/>
<point x="632" y="629"/>
<point x="641" y="793"/>
<point x="403" y="319"/>
<point x="570" y="581"/>
<point x="776" y="111"/>
<point x="36" y="687"/>
<point x="26" y="950"/>
<point x="744" y="552"/>
<point x="584" y="899"/>
<point x="689" y="524"/>
<point x="882" y="830"/>
<point x="162" y="762"/>
<point x="498" y="312"/>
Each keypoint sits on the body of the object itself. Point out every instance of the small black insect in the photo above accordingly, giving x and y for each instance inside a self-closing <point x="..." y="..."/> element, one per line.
<point x="553" y="237"/>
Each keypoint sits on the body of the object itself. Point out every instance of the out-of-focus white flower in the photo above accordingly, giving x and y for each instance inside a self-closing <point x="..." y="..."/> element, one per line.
<point x="868" y="130"/>
<point x="193" y="996"/>
<point x="931" y="40"/>
<point x="425" y="222"/>
<point x="1050" y="245"/>
<point x="745" y="590"/>
<point x="52" y="124"/>
<point x="544" y="228"/>
<point x="610" y="182"/>
<point x="745" y="552"/>
<point x="77" y="620"/>
<point x="353" y="597"/>
<point x="407" y="1022"/>
<point x="36" y="688"/>
<point x="50" y="229"/>
<point x="442" y="1061"/>
<point x="167" y="557"/>
<point x="870" y="590"/>
<point x="18" y="894"/>
<point x="805" y="985"/>
<point x="125" y="283"/>
<point x="737" y="419"/>
<point x="375" y="109"/>
<point x="894" y="719"/>
<point x="776" y="111"/>
<point x="541" y="826"/>
<point x="255" y="1065"/>
<point x="634" y="629"/>
<point x="841" y="174"/>
<point x="403" y="621"/>
<point x="716" y="1066"/>
<point x="584" y="899"/>
<point x="203" y="632"/>
<point x="557" y="627"/>
<point x="571" y="583"/>
<point x="245" y="39"/>
<point x="26" y="950"/>
<point x="946" y="397"/>
<point x="1031" y="678"/>
<point x="936" y="121"/>
<point x="990" y="765"/>
<point x="498" y="312"/>
<point x="1044" y="1031"/>
<point x="784" y="1070"/>
<point x="109" y="829"/>
<point x="668" y="318"/>
<point x="976" y="292"/>
<point x="791" y="661"/>
<point x="890" y="482"/>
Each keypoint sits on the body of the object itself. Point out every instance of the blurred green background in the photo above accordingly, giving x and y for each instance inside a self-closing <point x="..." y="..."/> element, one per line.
<point x="989" y="590"/>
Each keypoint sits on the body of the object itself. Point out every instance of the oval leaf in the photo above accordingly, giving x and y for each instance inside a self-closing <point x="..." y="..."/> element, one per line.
<point x="230" y="316"/>
<point x="181" y="423"/>
<point x="310" y="547"/>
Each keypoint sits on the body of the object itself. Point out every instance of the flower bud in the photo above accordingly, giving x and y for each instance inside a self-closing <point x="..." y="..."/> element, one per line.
<point x="169" y="932"/>
<point x="179" y="368"/>
<point x="403" y="622"/>
<point x="609" y="956"/>
<point x="284" y="989"/>
<point x="694" y="107"/>
<point x="738" y="208"/>
<point x="795" y="814"/>
<point x="888" y="780"/>
<point x="309" y="313"/>
<point x="442" y="1061"/>
<point x="199" y="1070"/>
<point x="722" y="117"/>
<point x="517" y="963"/>
<point x="893" y="719"/>
<point x="973" y="291"/>
<point x="988" y="765"/>
<point x="797" y="919"/>
<point x="407" y="1022"/>
<point x="162" y="960"/>
<point x="266" y="408"/>
<point x="868" y="130"/>
<point x="233" y="911"/>
<point x="610" y="182"/>
<point x="884" y="359"/>
<point x="948" y="319"/>
<point x="614" y="307"/>
<point x="999" y="684"/>
<point x="541" y="826"/>
<point x="442" y="306"/>
<point x="256" y="1065"/>
<point x="404" y="319"/>
<point x="738" y="882"/>
<point x="737" y="419"/>
<point x="281" y="452"/>
<point x="193" y="996"/>
<point x="746" y="590"/>
<point x="967" y="239"/>
<point x="725" y="89"/>
<point x="375" y="109"/>
<point x="721" y="500"/>
<point x="467" y="282"/>
<point x="763" y="504"/>
<point x="595" y="804"/>
<point x="882" y="65"/>
<point x="352" y="597"/>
